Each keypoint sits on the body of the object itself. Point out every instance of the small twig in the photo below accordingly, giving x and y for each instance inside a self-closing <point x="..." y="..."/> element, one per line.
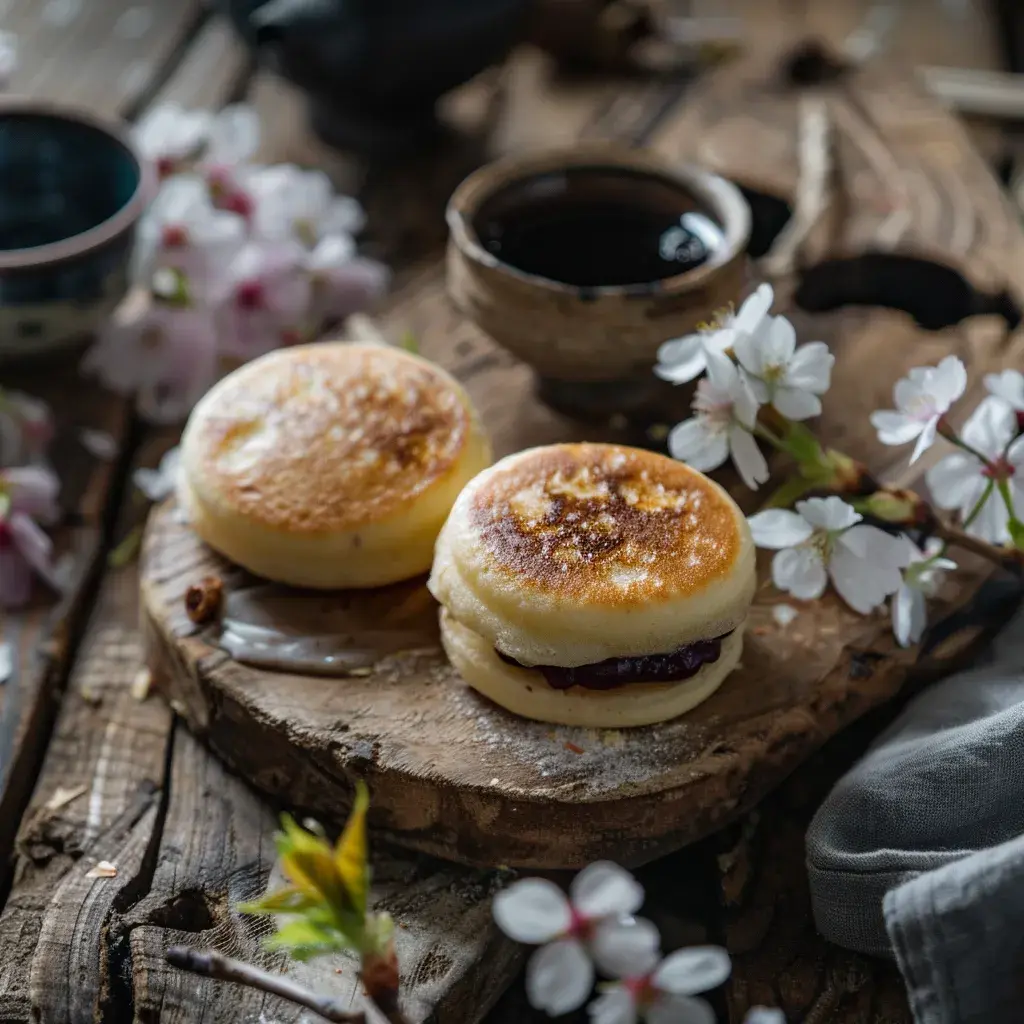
<point x="955" y="537"/>
<point x="214" y="965"/>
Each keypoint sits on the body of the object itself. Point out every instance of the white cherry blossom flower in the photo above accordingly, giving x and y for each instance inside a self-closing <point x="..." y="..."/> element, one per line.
<point x="270" y="294"/>
<point x="684" y="359"/>
<point x="789" y="378"/>
<point x="28" y="497"/>
<point x="184" y="233"/>
<point x="725" y="411"/>
<point x="665" y="994"/>
<point x="921" y="580"/>
<point x="175" y="139"/>
<point x="922" y="398"/>
<point x="171" y="137"/>
<point x="160" y="483"/>
<point x="293" y="204"/>
<point x="962" y="480"/>
<point x="593" y="926"/>
<point x="764" y="1015"/>
<point x="824" y="539"/>
<point x="1009" y="386"/>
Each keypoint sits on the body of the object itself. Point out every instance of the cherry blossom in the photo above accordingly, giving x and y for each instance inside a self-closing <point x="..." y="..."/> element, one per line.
<point x="824" y="539"/>
<point x="297" y="205"/>
<point x="922" y="398"/>
<point x="789" y="378"/>
<point x="921" y="580"/>
<point x="594" y="925"/>
<point x="26" y="428"/>
<point x="1009" y="386"/>
<point x="160" y="483"/>
<point x="684" y="359"/>
<point x="269" y="296"/>
<point x="185" y="234"/>
<point x="28" y="497"/>
<point x="968" y="481"/>
<point x="344" y="284"/>
<point x="725" y="411"/>
<point x="665" y="993"/>
<point x="175" y="139"/>
<point x="167" y="356"/>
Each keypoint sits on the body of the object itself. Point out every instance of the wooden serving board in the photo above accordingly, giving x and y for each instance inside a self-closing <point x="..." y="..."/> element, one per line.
<point x="455" y="776"/>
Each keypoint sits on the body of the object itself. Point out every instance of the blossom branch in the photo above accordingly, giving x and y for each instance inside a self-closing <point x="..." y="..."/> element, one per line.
<point x="211" y="964"/>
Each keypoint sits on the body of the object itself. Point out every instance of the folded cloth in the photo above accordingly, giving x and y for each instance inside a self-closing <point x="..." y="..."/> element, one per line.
<point x="934" y="812"/>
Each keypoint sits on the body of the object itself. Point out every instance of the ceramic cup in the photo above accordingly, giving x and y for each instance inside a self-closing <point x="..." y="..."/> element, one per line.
<point x="593" y="346"/>
<point x="72" y="189"/>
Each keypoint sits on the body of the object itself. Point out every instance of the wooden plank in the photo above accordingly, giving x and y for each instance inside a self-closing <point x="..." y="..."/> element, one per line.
<point x="103" y="55"/>
<point x="217" y="850"/>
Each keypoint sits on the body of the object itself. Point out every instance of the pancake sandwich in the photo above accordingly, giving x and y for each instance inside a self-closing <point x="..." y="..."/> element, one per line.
<point x="330" y="465"/>
<point x="594" y="585"/>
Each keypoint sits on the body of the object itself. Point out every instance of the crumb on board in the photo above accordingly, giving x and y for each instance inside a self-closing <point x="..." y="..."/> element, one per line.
<point x="569" y="745"/>
<point x="141" y="683"/>
<point x="62" y="797"/>
<point x="102" y="869"/>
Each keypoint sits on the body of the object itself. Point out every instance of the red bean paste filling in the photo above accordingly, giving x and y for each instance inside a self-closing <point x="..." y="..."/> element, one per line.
<point x="683" y="663"/>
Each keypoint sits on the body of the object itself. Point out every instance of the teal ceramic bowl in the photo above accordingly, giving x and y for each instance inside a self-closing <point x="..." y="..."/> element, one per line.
<point x="72" y="189"/>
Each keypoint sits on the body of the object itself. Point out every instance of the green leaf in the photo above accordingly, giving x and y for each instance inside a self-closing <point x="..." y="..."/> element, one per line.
<point x="304" y="939"/>
<point x="802" y="444"/>
<point x="351" y="857"/>
<point x="792" y="490"/>
<point x="284" y="901"/>
<point x="308" y="863"/>
<point x="409" y="343"/>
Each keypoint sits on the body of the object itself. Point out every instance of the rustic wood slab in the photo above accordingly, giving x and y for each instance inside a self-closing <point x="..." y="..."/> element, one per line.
<point x="457" y="777"/>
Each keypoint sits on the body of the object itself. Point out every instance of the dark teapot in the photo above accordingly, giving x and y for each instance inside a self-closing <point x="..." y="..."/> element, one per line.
<point x="374" y="69"/>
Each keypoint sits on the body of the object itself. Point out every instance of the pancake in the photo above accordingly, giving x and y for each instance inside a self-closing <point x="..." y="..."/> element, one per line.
<point x="596" y="572"/>
<point x="330" y="465"/>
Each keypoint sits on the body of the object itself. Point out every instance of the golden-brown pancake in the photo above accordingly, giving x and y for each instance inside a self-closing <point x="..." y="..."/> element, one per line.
<point x="571" y="555"/>
<point x="330" y="465"/>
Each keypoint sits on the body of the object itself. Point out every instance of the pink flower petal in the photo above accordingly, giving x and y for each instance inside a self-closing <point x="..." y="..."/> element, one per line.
<point x="33" y="491"/>
<point x="15" y="575"/>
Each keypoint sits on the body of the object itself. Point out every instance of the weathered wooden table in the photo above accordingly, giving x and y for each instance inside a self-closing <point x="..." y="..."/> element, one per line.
<point x="89" y="771"/>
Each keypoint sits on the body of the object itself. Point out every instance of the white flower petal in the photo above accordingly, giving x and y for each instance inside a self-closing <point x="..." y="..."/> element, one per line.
<point x="749" y="352"/>
<point x="616" y="1005"/>
<point x="722" y="372"/>
<point x="800" y="572"/>
<point x="1009" y="386"/>
<point x="778" y="342"/>
<point x="603" y="888"/>
<point x="909" y="615"/>
<point x="689" y="971"/>
<point x="674" y="1009"/>
<point x="745" y="405"/>
<point x="695" y="444"/>
<point x="991" y="427"/>
<point x="625" y="947"/>
<point x="681" y="359"/>
<point x="796" y="405"/>
<point x="810" y="369"/>
<point x="754" y="309"/>
<point x="779" y="528"/>
<point x="949" y="381"/>
<point x="533" y="910"/>
<point x="830" y="513"/>
<point x="559" y="977"/>
<point x="764" y="1015"/>
<point x="865" y="567"/>
<point x="992" y="523"/>
<point x="894" y="428"/>
<point x="747" y="458"/>
<point x="234" y="135"/>
<point x="925" y="440"/>
<point x="955" y="480"/>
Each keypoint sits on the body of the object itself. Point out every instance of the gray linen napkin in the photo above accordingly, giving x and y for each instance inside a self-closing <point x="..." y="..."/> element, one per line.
<point x="933" y="816"/>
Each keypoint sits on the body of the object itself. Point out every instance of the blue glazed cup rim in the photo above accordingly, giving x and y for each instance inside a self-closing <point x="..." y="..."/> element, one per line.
<point x="96" y="237"/>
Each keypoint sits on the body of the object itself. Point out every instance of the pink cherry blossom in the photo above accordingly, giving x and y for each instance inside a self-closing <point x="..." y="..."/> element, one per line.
<point x="269" y="298"/>
<point x="167" y="356"/>
<point x="28" y="497"/>
<point x="344" y="283"/>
